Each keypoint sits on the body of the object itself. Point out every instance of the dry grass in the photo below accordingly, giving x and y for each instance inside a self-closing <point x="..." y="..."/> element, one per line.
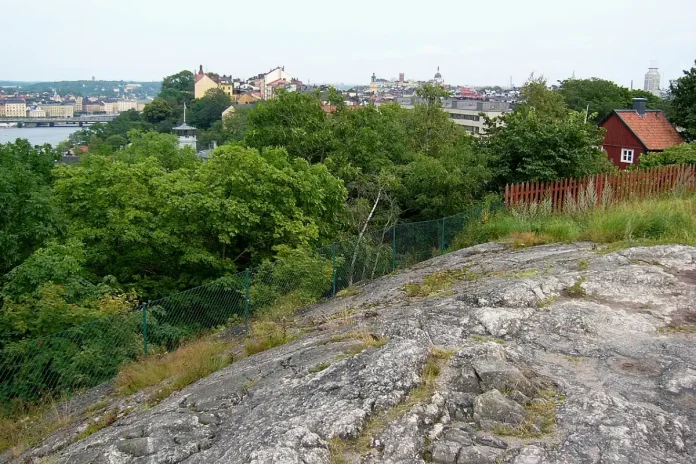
<point x="105" y="421"/>
<point x="266" y="334"/>
<point x="349" y="291"/>
<point x="540" y="412"/>
<point x="527" y="239"/>
<point x="438" y="282"/>
<point x="30" y="425"/>
<point x="366" y="338"/>
<point x="174" y="370"/>
<point x="359" y="446"/>
<point x="545" y="302"/>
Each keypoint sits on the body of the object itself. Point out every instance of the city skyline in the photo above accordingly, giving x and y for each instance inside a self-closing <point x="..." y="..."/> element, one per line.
<point x="329" y="44"/>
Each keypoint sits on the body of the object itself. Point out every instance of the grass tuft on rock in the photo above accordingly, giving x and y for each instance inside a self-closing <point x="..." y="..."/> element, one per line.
<point x="319" y="368"/>
<point x="344" y="450"/>
<point x="106" y="420"/>
<point x="174" y="370"/>
<point x="576" y="290"/>
<point x="349" y="291"/>
<point x="267" y="334"/>
<point x="541" y="417"/>
<point x="438" y="282"/>
<point x="366" y="338"/>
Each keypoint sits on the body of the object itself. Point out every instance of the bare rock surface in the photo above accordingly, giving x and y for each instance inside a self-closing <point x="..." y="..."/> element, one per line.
<point x="560" y="355"/>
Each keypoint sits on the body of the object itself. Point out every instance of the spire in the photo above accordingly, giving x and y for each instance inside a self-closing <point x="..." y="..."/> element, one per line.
<point x="184" y="112"/>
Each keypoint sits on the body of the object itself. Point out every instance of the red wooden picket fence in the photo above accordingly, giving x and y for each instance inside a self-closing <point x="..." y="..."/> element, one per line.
<point x="625" y="185"/>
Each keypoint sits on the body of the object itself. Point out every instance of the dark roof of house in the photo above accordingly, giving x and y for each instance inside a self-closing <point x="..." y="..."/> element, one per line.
<point x="653" y="129"/>
<point x="14" y="100"/>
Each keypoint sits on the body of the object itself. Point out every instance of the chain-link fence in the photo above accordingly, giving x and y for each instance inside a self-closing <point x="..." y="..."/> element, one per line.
<point x="88" y="355"/>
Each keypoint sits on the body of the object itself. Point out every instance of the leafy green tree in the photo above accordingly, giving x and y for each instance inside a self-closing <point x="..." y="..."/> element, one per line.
<point x="529" y="147"/>
<point x="27" y="215"/>
<point x="537" y="97"/>
<point x="429" y="128"/>
<point x="443" y="186"/>
<point x="207" y="110"/>
<point x="256" y="202"/>
<point x="601" y="95"/>
<point x="294" y="121"/>
<point x="115" y="142"/>
<point x="166" y="222"/>
<point x="683" y="92"/>
<point x="157" y="111"/>
<point x="183" y="81"/>
<point x="680" y="154"/>
<point x="163" y="147"/>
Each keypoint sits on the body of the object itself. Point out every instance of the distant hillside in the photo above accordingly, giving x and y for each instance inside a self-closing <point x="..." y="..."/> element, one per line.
<point x="88" y="88"/>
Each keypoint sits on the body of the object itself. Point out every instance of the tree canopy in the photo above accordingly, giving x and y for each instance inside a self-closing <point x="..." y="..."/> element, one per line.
<point x="543" y="142"/>
<point x="684" y="103"/>
<point x="603" y="96"/>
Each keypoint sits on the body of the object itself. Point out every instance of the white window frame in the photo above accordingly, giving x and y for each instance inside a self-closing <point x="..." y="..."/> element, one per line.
<point x="627" y="155"/>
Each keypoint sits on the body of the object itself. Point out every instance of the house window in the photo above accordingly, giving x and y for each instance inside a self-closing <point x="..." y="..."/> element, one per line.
<point x="627" y="155"/>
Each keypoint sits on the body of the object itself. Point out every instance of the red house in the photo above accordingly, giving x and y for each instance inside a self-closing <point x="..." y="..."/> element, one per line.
<point x="630" y="133"/>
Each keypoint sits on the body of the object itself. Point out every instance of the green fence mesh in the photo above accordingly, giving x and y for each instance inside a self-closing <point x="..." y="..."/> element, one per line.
<point x="88" y="355"/>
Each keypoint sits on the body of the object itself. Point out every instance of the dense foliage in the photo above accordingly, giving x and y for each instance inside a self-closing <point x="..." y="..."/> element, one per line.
<point x="139" y="218"/>
<point x="602" y="96"/>
<point x="27" y="217"/>
<point x="680" y="154"/>
<point x="684" y="103"/>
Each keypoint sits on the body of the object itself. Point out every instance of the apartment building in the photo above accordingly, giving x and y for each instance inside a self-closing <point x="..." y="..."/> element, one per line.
<point x="466" y="113"/>
<point x="15" y="108"/>
<point x="58" y="110"/>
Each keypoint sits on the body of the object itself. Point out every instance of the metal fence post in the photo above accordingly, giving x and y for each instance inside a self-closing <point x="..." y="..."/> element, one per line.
<point x="394" y="247"/>
<point x="442" y="238"/>
<point x="145" y="328"/>
<point x="246" y="300"/>
<point x="333" y="269"/>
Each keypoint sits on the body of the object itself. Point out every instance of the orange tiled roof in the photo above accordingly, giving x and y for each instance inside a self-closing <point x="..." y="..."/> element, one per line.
<point x="653" y="129"/>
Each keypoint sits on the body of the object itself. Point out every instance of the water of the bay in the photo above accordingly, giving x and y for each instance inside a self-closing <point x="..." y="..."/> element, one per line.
<point x="36" y="135"/>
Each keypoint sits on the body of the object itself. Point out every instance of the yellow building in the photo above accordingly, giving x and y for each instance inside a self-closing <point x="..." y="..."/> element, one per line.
<point x="37" y="113"/>
<point x="127" y="105"/>
<point x="247" y="99"/>
<point x="55" y="110"/>
<point x="204" y="83"/>
<point x="2" y="109"/>
<point x="15" y="108"/>
<point x="94" y="107"/>
<point x="228" y="88"/>
<point x="78" y="104"/>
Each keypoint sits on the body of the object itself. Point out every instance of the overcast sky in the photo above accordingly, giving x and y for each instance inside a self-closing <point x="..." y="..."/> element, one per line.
<point x="476" y="43"/>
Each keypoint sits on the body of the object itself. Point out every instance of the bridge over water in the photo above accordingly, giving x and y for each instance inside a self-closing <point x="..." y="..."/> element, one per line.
<point x="53" y="122"/>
